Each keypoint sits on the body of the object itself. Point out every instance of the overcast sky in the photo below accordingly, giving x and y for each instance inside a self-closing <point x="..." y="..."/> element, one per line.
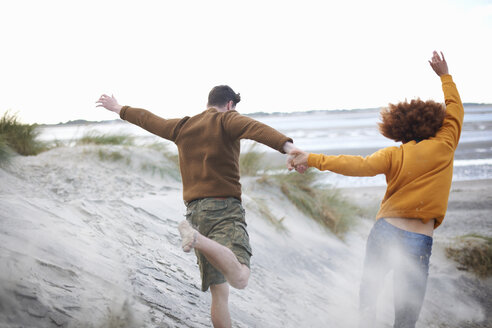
<point x="57" y="57"/>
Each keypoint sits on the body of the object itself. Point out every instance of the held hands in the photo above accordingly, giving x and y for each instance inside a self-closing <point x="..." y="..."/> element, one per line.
<point x="439" y="65"/>
<point x="289" y="148"/>
<point x="110" y="103"/>
<point x="297" y="160"/>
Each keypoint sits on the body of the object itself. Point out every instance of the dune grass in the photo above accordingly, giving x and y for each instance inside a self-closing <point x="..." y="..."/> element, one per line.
<point x="167" y="167"/>
<point x="21" y="138"/>
<point x="102" y="139"/>
<point x="473" y="253"/>
<point x="320" y="202"/>
<point x="265" y="212"/>
<point x="5" y="151"/>
<point x="98" y="138"/>
<point x="162" y="169"/>
<point x="163" y="148"/>
<point x="112" y="156"/>
<point x="251" y="161"/>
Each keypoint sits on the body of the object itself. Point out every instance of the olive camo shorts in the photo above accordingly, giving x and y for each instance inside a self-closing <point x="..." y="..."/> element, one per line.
<point x="222" y="220"/>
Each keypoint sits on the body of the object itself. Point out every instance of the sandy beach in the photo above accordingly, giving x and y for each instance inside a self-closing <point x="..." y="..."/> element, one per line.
<point x="89" y="239"/>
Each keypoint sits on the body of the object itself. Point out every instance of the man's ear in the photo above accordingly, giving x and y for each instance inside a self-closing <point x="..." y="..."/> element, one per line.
<point x="230" y="105"/>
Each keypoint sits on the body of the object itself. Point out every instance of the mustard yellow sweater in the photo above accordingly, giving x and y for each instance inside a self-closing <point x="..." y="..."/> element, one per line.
<point x="418" y="174"/>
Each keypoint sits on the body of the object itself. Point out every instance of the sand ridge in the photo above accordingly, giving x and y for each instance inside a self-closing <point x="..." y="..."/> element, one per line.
<point x="87" y="242"/>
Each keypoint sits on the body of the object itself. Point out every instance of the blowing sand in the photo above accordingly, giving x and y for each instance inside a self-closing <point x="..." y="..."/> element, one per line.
<point x="88" y="238"/>
<point x="469" y="212"/>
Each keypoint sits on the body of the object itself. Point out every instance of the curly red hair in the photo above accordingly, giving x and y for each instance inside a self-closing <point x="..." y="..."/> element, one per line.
<point x="415" y="120"/>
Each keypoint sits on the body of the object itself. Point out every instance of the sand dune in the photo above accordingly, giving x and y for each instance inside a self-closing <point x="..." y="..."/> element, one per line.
<point x="88" y="242"/>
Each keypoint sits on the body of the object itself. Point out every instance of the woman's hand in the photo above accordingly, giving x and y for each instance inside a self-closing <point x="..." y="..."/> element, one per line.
<point x="297" y="160"/>
<point x="439" y="65"/>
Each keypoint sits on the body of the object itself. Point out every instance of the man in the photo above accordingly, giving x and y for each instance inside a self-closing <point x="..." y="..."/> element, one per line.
<point x="208" y="146"/>
<point x="418" y="175"/>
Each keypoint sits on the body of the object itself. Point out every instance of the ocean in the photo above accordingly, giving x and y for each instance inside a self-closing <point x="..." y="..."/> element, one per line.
<point x="352" y="132"/>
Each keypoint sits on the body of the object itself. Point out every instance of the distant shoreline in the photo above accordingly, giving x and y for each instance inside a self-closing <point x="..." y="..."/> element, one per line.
<point x="255" y="114"/>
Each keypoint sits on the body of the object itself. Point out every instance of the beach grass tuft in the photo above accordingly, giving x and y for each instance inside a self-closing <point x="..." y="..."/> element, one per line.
<point x="473" y="253"/>
<point x="108" y="150"/>
<point x="251" y="161"/>
<point x="169" y="168"/>
<point x="267" y="214"/>
<point x="112" y="156"/>
<point x="21" y="138"/>
<point x="162" y="170"/>
<point x="320" y="202"/>
<point x="163" y="148"/>
<point x="97" y="138"/>
<point x="6" y="152"/>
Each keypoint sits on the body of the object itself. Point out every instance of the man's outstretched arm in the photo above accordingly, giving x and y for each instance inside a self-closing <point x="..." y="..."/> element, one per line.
<point x="238" y="126"/>
<point x="167" y="129"/>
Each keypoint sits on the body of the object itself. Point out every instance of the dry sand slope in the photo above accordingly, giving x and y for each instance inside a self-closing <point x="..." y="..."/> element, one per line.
<point x="86" y="242"/>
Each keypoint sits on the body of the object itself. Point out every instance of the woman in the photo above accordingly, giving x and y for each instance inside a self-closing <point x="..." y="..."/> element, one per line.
<point x="418" y="176"/>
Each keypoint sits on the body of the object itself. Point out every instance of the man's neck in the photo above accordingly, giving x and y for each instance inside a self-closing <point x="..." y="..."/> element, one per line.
<point x="222" y="109"/>
<point x="227" y="107"/>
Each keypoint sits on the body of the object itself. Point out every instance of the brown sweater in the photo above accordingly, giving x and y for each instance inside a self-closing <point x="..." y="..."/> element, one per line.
<point x="208" y="146"/>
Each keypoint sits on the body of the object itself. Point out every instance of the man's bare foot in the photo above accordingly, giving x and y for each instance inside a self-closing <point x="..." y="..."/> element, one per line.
<point x="188" y="235"/>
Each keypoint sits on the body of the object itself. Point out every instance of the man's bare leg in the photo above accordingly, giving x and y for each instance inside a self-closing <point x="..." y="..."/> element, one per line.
<point x="224" y="260"/>
<point x="221" y="257"/>
<point x="220" y="307"/>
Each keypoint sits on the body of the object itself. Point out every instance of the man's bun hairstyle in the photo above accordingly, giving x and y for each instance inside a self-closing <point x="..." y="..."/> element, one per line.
<point x="415" y="120"/>
<point x="220" y="95"/>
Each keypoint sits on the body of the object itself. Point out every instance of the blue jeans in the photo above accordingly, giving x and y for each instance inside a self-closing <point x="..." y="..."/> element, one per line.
<point x="407" y="254"/>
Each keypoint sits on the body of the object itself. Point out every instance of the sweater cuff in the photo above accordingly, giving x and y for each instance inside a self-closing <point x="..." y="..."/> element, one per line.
<point x="313" y="159"/>
<point x="446" y="78"/>
<point x="281" y="147"/>
<point x="123" y="112"/>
